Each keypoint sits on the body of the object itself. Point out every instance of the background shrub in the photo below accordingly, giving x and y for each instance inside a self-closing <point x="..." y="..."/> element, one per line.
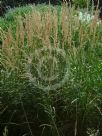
<point x="7" y="4"/>
<point x="81" y="3"/>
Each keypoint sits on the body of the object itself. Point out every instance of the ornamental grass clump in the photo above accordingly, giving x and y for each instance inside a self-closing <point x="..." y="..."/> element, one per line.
<point x="51" y="75"/>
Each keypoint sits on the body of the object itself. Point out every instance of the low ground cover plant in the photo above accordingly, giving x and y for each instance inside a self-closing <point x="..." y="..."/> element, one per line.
<point x="51" y="75"/>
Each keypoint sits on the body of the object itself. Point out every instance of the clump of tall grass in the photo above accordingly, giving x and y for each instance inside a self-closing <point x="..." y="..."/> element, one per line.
<point x="69" y="109"/>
